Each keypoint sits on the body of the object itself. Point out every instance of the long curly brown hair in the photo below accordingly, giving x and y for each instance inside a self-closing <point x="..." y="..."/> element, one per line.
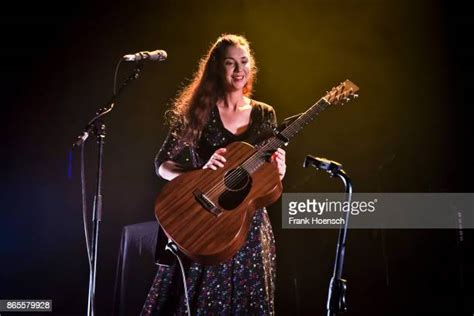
<point x="191" y="109"/>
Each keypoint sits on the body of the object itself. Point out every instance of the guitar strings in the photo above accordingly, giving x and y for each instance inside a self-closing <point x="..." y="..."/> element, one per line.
<point x="255" y="161"/>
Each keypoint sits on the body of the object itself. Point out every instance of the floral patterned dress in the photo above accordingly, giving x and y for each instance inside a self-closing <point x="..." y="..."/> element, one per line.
<point x="242" y="285"/>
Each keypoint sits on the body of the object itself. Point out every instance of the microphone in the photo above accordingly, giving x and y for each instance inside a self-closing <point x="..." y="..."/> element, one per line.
<point x="322" y="163"/>
<point x="159" y="55"/>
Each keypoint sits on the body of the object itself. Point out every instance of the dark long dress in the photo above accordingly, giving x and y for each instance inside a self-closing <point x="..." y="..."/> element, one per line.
<point x="242" y="285"/>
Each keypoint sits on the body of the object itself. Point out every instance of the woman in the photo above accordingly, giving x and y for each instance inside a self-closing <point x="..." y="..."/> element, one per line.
<point x="214" y="110"/>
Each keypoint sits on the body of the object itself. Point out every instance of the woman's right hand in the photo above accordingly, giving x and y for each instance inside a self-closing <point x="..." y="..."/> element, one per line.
<point x="216" y="160"/>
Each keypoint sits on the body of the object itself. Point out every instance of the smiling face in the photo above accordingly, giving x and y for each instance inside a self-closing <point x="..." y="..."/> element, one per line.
<point x="237" y="65"/>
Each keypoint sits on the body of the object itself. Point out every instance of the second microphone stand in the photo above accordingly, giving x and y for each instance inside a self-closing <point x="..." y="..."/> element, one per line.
<point x="336" y="301"/>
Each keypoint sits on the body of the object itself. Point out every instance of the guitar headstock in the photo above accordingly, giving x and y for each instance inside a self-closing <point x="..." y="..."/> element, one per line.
<point x="343" y="93"/>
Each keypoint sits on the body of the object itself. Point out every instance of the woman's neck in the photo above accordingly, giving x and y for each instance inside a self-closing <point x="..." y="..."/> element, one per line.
<point x="234" y="101"/>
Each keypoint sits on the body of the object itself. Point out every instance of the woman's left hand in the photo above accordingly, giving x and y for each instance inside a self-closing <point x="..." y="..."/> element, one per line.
<point x="278" y="158"/>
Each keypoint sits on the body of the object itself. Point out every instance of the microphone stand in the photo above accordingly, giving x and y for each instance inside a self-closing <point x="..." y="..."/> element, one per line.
<point x="336" y="301"/>
<point x="97" y="126"/>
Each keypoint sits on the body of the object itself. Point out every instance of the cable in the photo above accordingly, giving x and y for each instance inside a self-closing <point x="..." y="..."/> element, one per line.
<point x="174" y="250"/>
<point x="115" y="75"/>
<point x="84" y="206"/>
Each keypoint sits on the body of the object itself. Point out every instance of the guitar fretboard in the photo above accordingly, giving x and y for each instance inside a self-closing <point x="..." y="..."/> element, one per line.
<point x="282" y="138"/>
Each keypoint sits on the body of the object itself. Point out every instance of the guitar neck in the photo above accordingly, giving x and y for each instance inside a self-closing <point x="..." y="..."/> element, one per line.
<point x="292" y="129"/>
<point x="338" y="95"/>
<point x="283" y="137"/>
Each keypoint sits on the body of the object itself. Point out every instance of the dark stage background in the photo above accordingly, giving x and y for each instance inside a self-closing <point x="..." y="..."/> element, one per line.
<point x="410" y="131"/>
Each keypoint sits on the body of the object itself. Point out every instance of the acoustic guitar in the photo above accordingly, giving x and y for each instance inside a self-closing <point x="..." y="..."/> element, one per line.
<point x="207" y="213"/>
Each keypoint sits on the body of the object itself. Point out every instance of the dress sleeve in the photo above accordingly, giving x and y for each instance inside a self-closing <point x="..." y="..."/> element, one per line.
<point x="272" y="119"/>
<point x="269" y="120"/>
<point x="172" y="149"/>
<point x="265" y="124"/>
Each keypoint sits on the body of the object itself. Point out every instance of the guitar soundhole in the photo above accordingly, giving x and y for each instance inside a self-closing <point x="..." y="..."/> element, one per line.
<point x="236" y="179"/>
<point x="237" y="186"/>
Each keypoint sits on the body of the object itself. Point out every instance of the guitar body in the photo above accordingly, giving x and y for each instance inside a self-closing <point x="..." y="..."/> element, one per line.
<point x="207" y="213"/>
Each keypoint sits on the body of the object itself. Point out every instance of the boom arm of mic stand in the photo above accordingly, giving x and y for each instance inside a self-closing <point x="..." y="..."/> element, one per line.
<point x="89" y="129"/>
<point x="336" y="302"/>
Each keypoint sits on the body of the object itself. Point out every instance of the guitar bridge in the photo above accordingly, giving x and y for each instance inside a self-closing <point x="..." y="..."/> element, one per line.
<point x="206" y="202"/>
